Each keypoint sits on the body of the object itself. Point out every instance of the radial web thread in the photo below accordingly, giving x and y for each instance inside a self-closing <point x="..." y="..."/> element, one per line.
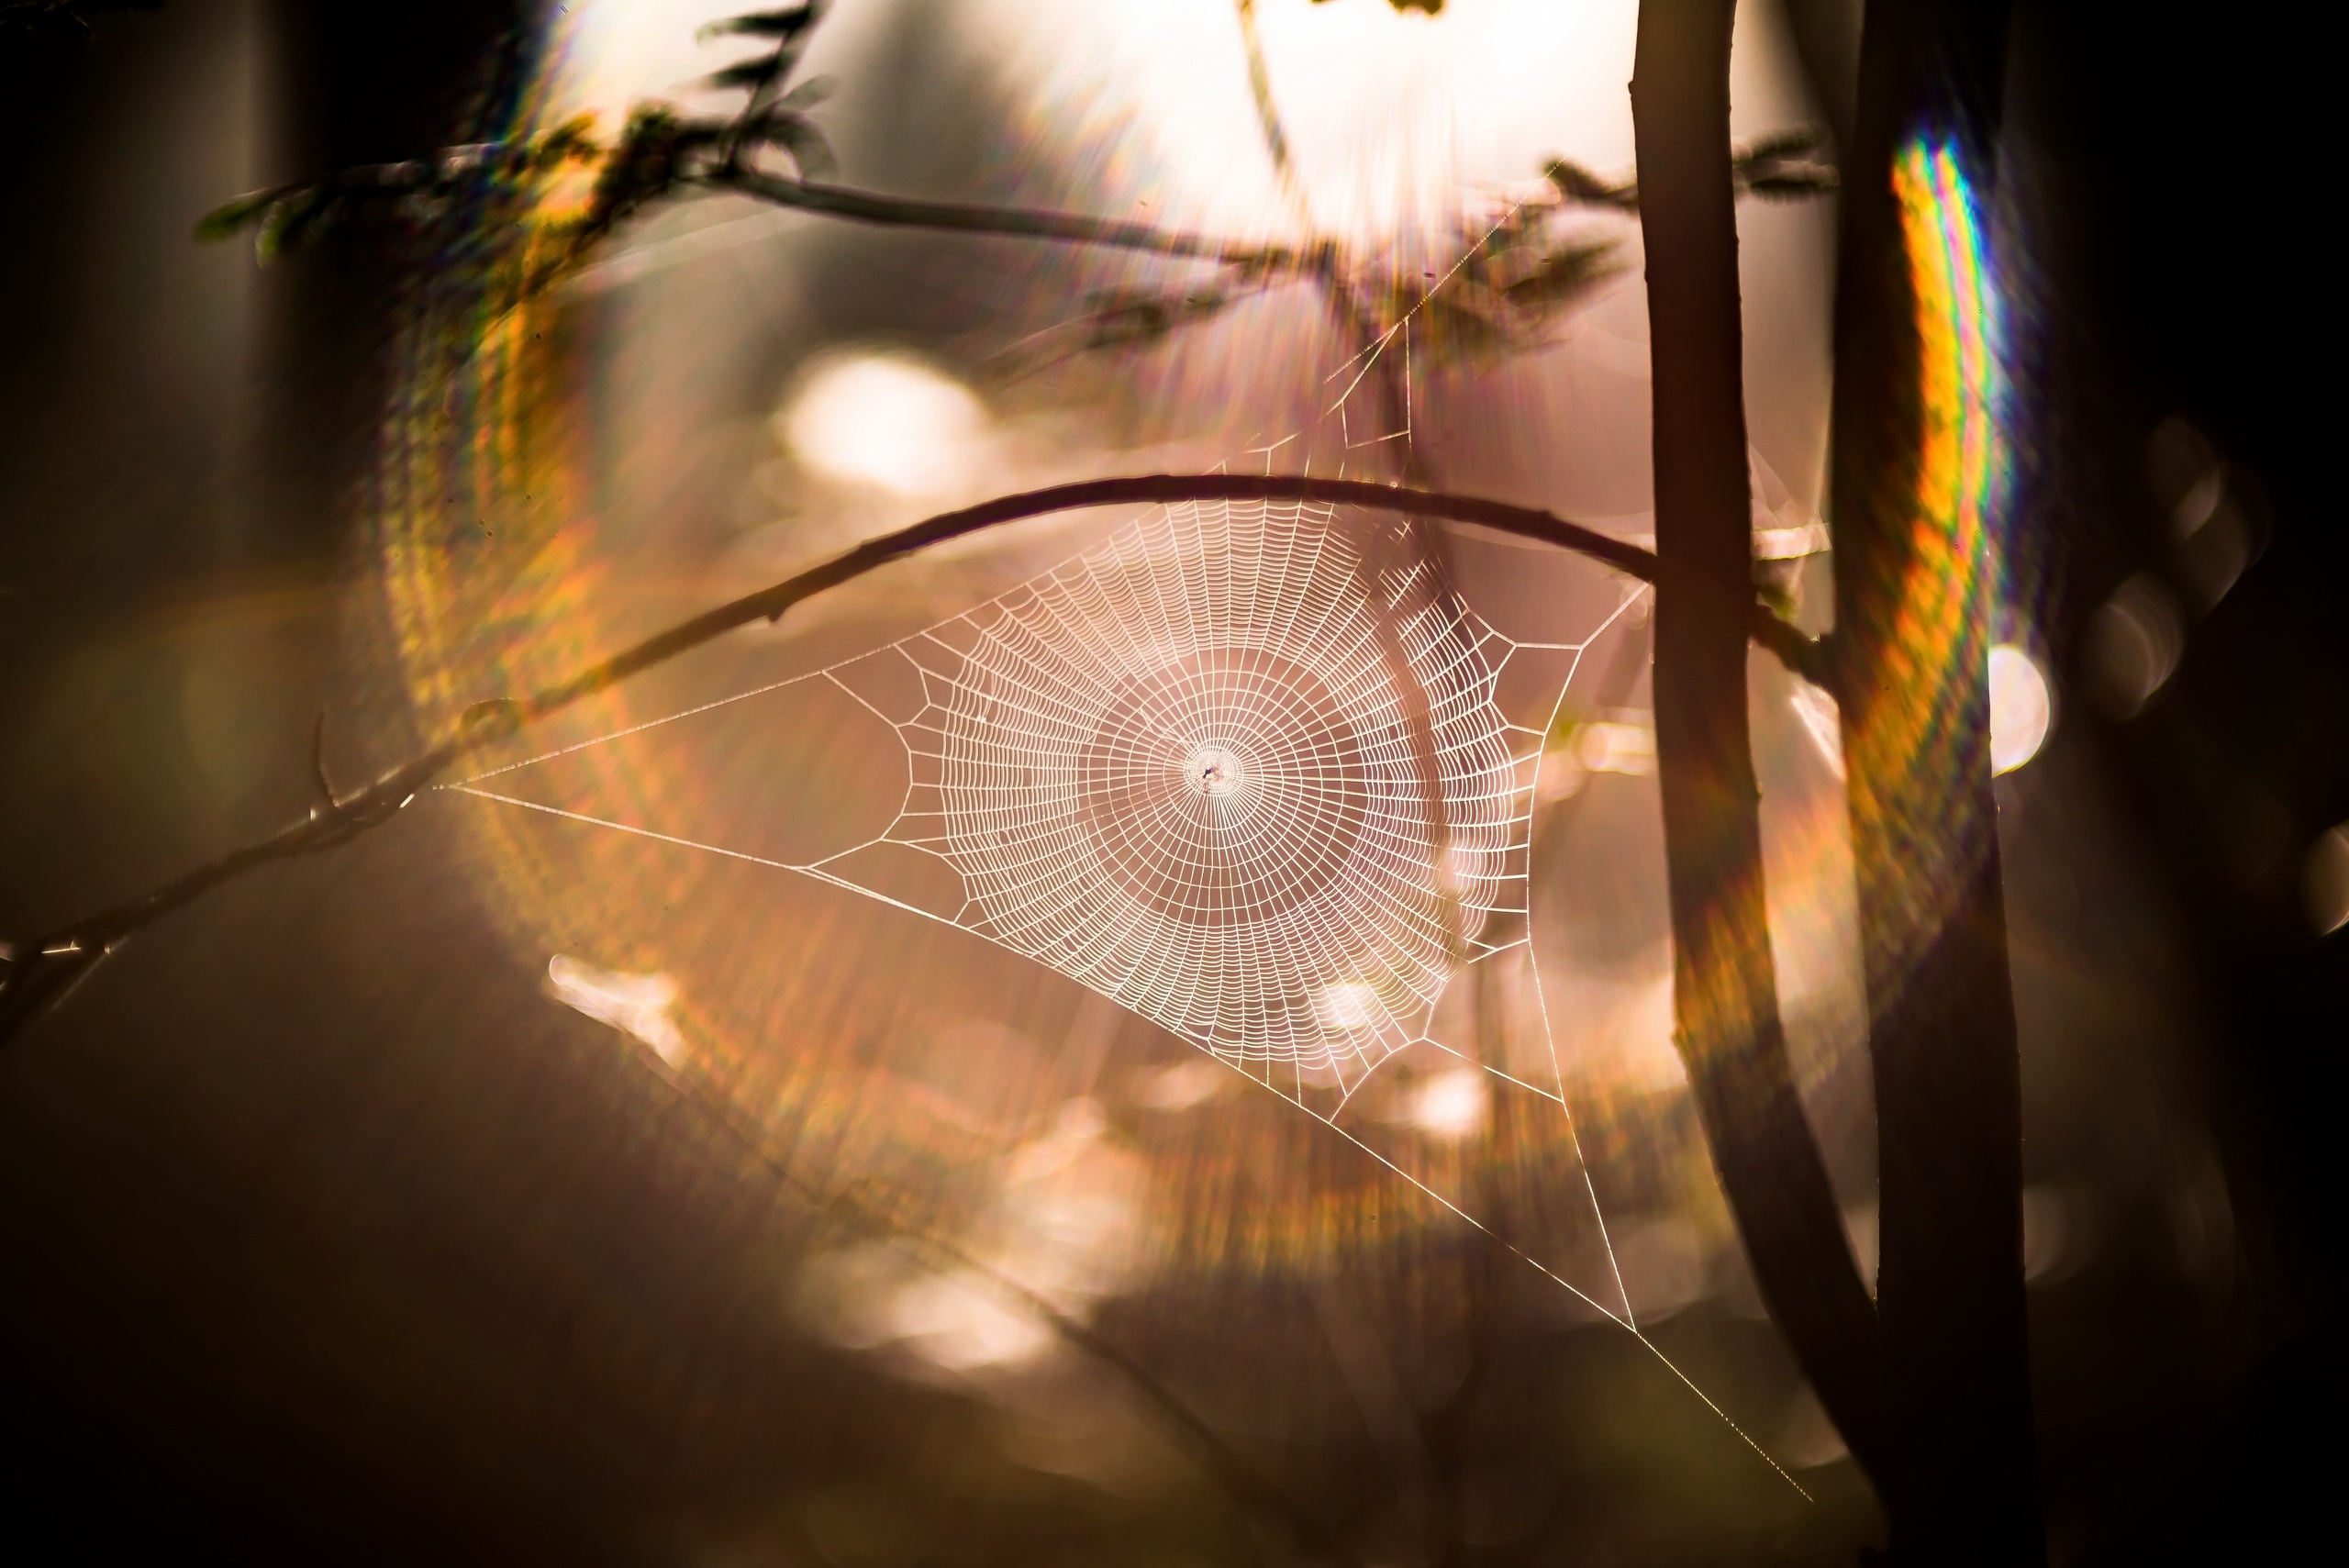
<point x="1189" y="770"/>
<point x="1182" y="771"/>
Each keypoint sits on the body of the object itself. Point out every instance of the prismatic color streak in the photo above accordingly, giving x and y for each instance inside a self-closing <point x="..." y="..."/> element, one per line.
<point x="1942" y="630"/>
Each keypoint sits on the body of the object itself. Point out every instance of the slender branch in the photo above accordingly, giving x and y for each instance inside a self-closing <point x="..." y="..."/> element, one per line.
<point x="37" y="974"/>
<point x="1358" y="327"/>
<point x="969" y="217"/>
<point x="1268" y="113"/>
<point x="1356" y="318"/>
<point x="1725" y="1000"/>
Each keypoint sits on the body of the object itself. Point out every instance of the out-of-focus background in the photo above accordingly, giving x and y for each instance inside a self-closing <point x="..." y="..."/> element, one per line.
<point x="446" y="1196"/>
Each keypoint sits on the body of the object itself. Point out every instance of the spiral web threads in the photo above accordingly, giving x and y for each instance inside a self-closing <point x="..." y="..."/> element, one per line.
<point x="1226" y="769"/>
<point x="1181" y="771"/>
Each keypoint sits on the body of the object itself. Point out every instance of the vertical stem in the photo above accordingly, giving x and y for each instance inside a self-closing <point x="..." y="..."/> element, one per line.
<point x="1914" y="462"/>
<point x="1725" y="1000"/>
<point x="1356" y="317"/>
<point x="1357" y="323"/>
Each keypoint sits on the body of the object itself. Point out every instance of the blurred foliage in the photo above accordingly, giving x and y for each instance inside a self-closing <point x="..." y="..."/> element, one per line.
<point x="1779" y="167"/>
<point x="1513" y="283"/>
<point x="1119" y="320"/>
<point x="1518" y="277"/>
<point x="1782" y="167"/>
<point x="421" y="190"/>
<point x="660" y="153"/>
<point x="61" y="18"/>
<point x="771" y="116"/>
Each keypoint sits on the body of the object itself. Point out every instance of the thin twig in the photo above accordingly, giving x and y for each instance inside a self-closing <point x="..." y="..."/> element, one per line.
<point x="1357" y="324"/>
<point x="34" y="974"/>
<point x="969" y="217"/>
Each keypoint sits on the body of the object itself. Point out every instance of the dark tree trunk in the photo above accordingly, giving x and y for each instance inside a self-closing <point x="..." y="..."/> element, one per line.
<point x="1724" y="987"/>
<point x="1914" y="567"/>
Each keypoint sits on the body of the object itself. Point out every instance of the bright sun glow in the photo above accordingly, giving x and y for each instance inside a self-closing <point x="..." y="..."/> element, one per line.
<point x="1250" y="775"/>
<point x="885" y="419"/>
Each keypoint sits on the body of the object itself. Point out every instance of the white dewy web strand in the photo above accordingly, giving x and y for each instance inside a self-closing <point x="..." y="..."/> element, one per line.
<point x="1159" y="759"/>
<point x="1179" y="771"/>
<point x="1175" y="769"/>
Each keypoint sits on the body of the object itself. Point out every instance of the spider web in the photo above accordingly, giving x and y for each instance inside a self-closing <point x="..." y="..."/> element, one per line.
<point x="1180" y="772"/>
<point x="1182" y="769"/>
<point x="1189" y="768"/>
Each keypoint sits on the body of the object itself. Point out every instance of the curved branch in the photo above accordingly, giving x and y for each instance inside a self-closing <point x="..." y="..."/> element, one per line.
<point x="36" y="974"/>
